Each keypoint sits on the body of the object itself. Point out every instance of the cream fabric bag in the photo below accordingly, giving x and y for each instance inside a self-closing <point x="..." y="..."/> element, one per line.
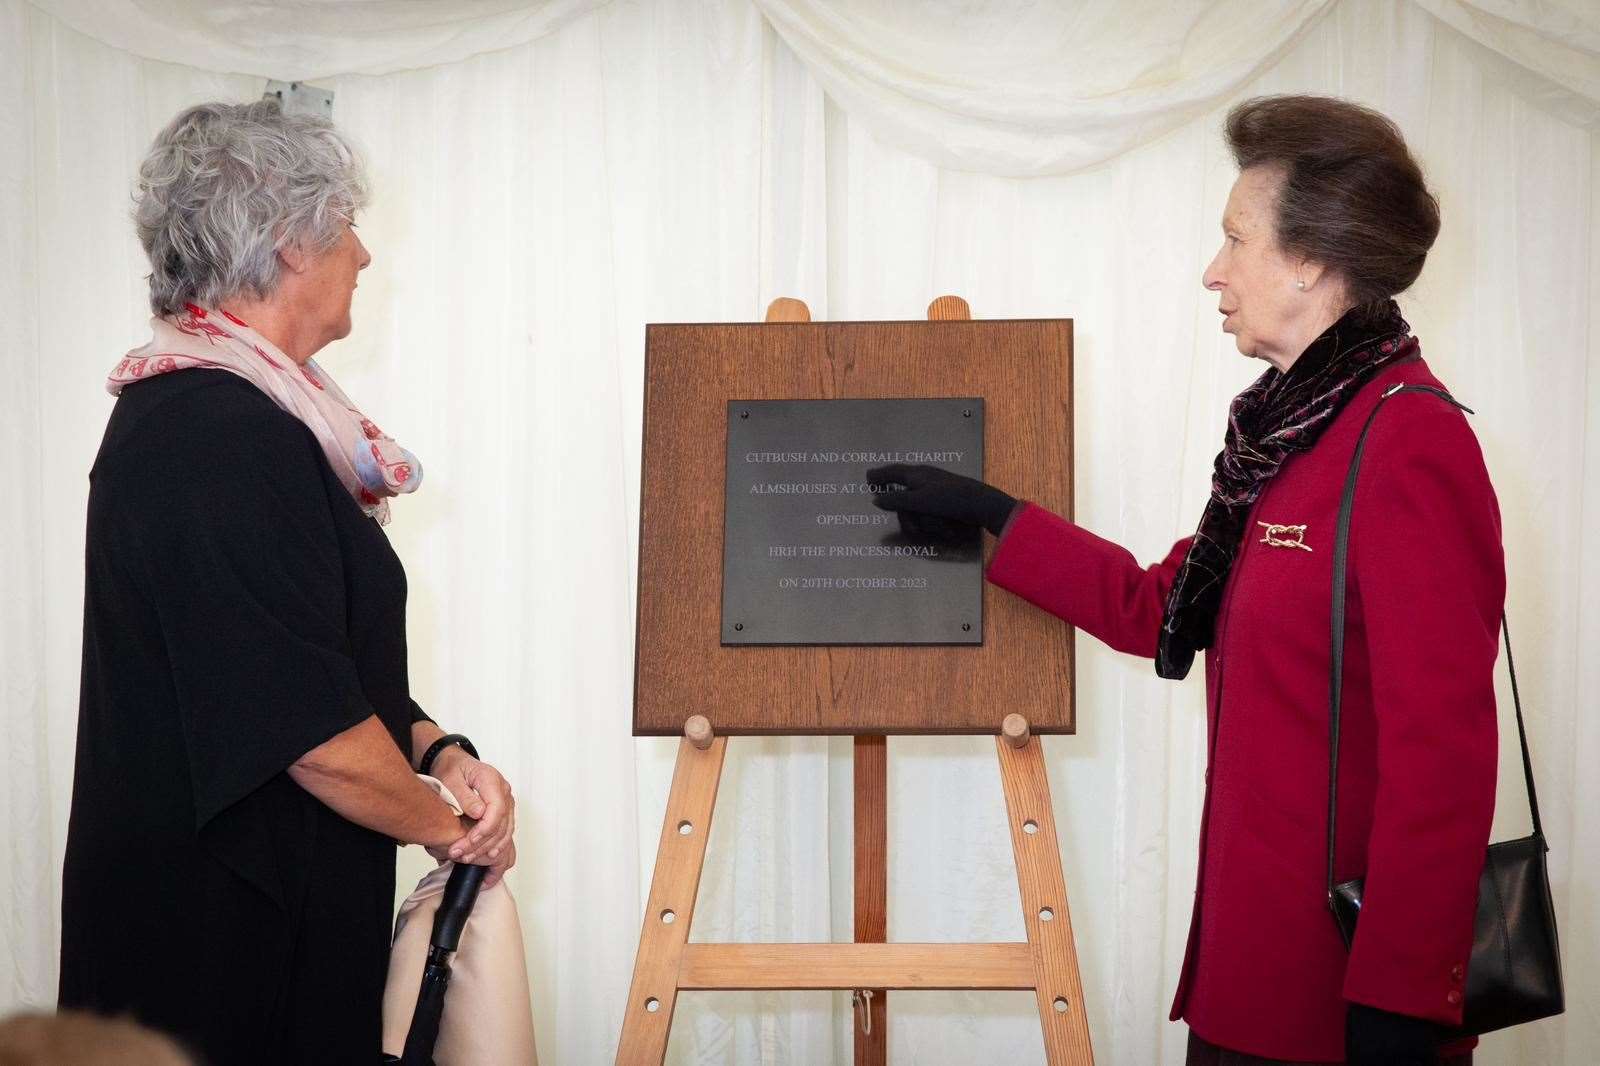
<point x="488" y="1020"/>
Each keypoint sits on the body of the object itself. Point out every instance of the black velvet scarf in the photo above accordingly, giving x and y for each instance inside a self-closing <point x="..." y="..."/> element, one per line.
<point x="1278" y="415"/>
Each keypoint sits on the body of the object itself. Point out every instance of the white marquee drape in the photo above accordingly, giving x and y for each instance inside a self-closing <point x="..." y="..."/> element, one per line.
<point x="658" y="160"/>
<point x="1017" y="89"/>
<point x="300" y="40"/>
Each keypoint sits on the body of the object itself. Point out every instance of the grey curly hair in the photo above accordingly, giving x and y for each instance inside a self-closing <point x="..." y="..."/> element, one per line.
<point x="225" y="186"/>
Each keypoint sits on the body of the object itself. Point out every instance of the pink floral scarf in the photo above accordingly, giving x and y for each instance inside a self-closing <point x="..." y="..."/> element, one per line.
<point x="368" y="461"/>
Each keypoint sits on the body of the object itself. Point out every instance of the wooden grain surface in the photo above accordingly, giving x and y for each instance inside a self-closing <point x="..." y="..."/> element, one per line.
<point x="949" y="309"/>
<point x="680" y="857"/>
<point x="1021" y="368"/>
<point x="1045" y="913"/>
<point x="788" y="309"/>
<point x="846" y="966"/>
<point x="871" y="817"/>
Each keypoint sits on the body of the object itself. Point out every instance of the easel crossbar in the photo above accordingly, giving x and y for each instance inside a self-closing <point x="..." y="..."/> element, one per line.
<point x="708" y="967"/>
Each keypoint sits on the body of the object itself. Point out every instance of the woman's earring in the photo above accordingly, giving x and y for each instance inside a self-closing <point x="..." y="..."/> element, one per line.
<point x="1299" y="284"/>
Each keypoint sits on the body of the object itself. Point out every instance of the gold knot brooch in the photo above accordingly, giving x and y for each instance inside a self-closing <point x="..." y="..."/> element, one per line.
<point x="1284" y="536"/>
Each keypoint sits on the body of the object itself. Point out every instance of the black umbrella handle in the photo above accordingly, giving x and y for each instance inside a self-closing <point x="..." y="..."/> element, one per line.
<point x="455" y="906"/>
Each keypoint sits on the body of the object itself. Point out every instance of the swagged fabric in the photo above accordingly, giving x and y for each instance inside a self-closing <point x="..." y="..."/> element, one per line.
<point x="1281" y="413"/>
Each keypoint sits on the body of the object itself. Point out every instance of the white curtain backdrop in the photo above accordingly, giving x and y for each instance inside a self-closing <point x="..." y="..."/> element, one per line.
<point x="550" y="177"/>
<point x="298" y="40"/>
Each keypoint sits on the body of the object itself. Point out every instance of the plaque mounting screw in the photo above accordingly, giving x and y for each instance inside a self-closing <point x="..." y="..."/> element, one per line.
<point x="738" y="626"/>
<point x="966" y="627"/>
<point x="966" y="412"/>
<point x="744" y="414"/>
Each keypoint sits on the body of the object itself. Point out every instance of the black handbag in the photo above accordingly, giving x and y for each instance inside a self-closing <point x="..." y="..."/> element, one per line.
<point x="1514" y="974"/>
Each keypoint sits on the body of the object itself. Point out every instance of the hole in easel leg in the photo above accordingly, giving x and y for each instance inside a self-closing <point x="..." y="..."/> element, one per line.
<point x="653" y="1004"/>
<point x="685" y="828"/>
<point x="1030" y="827"/>
<point x="1061" y="1004"/>
<point x="1046" y="914"/>
<point x="668" y="917"/>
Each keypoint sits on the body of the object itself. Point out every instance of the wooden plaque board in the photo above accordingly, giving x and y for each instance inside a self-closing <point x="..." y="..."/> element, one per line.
<point x="1023" y="371"/>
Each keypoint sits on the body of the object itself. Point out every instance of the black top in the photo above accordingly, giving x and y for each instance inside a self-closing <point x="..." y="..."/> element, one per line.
<point x="239" y="610"/>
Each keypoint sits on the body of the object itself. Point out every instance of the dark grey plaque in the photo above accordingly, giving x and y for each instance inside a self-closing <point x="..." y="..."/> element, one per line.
<point x="806" y="556"/>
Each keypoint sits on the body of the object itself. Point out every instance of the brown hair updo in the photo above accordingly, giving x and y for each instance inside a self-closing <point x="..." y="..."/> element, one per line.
<point x="1352" y="197"/>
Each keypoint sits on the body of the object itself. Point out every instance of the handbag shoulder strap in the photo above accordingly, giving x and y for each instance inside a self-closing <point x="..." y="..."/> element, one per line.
<point x="1341" y="546"/>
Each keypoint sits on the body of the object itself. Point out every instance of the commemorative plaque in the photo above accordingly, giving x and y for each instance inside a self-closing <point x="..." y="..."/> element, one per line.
<point x="809" y="559"/>
<point x="763" y="640"/>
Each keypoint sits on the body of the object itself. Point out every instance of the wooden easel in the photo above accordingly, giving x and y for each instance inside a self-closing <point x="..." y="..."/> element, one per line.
<point x="1046" y="963"/>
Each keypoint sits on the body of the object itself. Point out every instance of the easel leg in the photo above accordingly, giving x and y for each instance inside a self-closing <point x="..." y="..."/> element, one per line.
<point x="872" y="888"/>
<point x="1044" y="901"/>
<point x="654" y="994"/>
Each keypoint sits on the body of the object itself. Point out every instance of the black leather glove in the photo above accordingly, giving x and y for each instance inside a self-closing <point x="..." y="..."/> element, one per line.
<point x="1374" y="1037"/>
<point x="932" y="492"/>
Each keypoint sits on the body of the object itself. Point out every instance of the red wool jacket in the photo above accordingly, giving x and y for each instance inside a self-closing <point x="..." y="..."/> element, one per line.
<point x="1265" y="971"/>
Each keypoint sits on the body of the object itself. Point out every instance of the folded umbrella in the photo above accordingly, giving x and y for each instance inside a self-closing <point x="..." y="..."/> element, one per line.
<point x="460" y="893"/>
<point x="487" y="1020"/>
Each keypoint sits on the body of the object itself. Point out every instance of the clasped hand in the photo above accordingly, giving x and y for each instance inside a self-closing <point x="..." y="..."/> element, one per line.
<point x="489" y="814"/>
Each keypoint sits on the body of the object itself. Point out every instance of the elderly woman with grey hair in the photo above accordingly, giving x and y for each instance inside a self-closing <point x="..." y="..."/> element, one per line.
<point x="247" y="742"/>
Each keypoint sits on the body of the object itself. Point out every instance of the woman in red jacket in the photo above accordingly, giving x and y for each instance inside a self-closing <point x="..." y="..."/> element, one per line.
<point x="1328" y="220"/>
